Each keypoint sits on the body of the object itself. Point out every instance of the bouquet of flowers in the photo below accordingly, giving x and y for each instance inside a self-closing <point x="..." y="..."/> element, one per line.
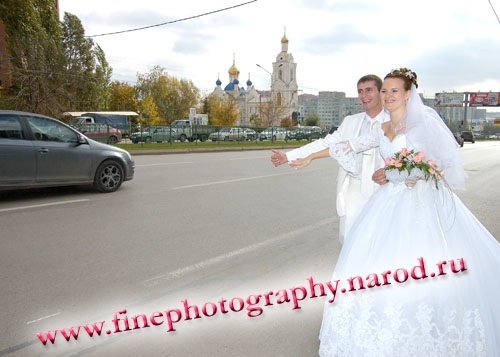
<point x="409" y="160"/>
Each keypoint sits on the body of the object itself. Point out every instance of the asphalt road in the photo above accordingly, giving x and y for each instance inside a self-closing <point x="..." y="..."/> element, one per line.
<point x="200" y="227"/>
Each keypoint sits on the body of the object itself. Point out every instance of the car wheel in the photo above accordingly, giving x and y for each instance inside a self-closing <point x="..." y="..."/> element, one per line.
<point x="183" y="138"/>
<point x="148" y="140"/>
<point x="112" y="140"/>
<point x="226" y="138"/>
<point x="203" y="138"/>
<point x="108" y="177"/>
<point x="473" y="141"/>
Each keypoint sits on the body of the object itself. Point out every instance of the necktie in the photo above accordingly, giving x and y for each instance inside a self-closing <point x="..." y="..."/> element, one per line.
<point x="368" y="168"/>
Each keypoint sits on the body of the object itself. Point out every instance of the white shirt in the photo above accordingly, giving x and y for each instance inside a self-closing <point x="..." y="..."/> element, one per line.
<point x="367" y="122"/>
<point x="366" y="125"/>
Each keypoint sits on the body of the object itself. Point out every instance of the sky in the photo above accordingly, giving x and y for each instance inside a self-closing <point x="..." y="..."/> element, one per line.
<point x="452" y="45"/>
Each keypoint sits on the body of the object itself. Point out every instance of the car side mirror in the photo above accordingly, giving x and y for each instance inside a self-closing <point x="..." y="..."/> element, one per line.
<point x="82" y="140"/>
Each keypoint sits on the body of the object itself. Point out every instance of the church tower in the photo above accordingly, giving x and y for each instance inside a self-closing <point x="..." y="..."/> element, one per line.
<point x="284" y="81"/>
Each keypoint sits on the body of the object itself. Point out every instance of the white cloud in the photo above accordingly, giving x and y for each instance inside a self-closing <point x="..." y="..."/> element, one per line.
<point x="452" y="44"/>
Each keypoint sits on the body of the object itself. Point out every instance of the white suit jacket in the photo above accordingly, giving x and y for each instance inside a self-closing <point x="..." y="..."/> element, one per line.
<point x="350" y="128"/>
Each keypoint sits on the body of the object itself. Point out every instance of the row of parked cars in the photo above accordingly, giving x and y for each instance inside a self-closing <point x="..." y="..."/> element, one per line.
<point x="203" y="133"/>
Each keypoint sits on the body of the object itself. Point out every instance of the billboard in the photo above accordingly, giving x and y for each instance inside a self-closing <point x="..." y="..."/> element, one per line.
<point x="484" y="99"/>
<point x="449" y="100"/>
<point x="496" y="121"/>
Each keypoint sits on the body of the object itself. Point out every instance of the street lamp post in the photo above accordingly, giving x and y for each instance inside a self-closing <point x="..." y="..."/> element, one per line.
<point x="272" y="102"/>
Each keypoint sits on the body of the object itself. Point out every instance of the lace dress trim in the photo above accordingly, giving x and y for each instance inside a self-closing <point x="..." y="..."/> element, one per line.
<point x="354" y="328"/>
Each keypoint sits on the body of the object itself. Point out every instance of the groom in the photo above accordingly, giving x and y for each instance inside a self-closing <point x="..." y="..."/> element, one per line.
<point x="352" y="191"/>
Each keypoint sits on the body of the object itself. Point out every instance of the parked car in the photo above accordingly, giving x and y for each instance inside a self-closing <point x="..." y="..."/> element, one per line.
<point x="309" y="133"/>
<point x="221" y="135"/>
<point x="38" y="151"/>
<point x="459" y="139"/>
<point x="313" y="132"/>
<point x="273" y="134"/>
<point x="291" y="134"/>
<point x="241" y="134"/>
<point x="101" y="132"/>
<point x="468" y="136"/>
<point x="157" y="134"/>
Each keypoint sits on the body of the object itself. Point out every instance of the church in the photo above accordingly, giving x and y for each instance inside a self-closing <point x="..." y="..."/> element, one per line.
<point x="278" y="104"/>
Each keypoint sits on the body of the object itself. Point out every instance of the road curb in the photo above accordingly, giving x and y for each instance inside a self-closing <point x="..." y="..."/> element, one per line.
<point x="206" y="150"/>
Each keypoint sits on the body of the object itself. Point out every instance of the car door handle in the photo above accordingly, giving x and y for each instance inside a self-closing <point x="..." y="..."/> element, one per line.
<point x="43" y="150"/>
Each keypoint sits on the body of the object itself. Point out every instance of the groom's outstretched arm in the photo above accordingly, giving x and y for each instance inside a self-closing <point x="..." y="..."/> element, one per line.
<point x="316" y="145"/>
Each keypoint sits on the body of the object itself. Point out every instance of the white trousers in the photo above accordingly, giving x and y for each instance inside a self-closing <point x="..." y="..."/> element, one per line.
<point x="354" y="203"/>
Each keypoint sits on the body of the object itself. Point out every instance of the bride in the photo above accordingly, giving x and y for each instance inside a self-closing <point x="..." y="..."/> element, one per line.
<point x="418" y="274"/>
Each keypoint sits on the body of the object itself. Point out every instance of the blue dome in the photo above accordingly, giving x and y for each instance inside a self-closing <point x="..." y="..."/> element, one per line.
<point x="236" y="81"/>
<point x="249" y="83"/>
<point x="218" y="82"/>
<point x="230" y="86"/>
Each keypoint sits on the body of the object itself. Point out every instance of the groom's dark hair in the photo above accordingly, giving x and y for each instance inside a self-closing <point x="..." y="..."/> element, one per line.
<point x="371" y="77"/>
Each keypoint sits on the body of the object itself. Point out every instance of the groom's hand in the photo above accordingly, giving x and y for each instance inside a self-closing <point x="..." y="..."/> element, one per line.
<point x="278" y="158"/>
<point x="379" y="177"/>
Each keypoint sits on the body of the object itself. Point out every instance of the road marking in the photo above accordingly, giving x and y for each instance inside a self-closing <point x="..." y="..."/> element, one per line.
<point x="166" y="163"/>
<point x="43" y="318"/>
<point x="239" y="180"/>
<point x="212" y="261"/>
<point x="43" y="205"/>
<point x="249" y="158"/>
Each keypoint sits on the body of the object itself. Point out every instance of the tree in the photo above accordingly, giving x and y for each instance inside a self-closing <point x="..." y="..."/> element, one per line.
<point x="271" y="113"/>
<point x="222" y="111"/>
<point x="88" y="74"/>
<point x="286" y="122"/>
<point x="255" y="120"/>
<point x="312" y="120"/>
<point x="173" y="97"/>
<point x="122" y="97"/>
<point x="36" y="56"/>
<point x="150" y="109"/>
<point x="103" y="73"/>
<point x="54" y="67"/>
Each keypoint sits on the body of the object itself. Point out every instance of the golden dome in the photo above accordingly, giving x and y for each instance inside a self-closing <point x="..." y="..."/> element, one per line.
<point x="284" y="39"/>
<point x="233" y="70"/>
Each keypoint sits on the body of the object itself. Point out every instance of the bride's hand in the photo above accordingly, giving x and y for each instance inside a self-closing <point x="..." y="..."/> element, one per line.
<point x="301" y="163"/>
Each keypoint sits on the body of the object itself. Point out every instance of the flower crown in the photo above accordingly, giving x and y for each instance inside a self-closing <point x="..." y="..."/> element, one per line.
<point x="405" y="72"/>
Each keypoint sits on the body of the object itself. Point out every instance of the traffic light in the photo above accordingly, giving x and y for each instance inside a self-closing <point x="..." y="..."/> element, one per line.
<point x="462" y="122"/>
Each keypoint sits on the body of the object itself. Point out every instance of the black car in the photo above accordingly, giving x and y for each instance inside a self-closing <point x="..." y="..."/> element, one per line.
<point x="468" y="136"/>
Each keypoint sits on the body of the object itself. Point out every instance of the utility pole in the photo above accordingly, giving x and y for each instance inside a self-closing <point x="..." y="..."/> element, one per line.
<point x="272" y="101"/>
<point x="465" y="109"/>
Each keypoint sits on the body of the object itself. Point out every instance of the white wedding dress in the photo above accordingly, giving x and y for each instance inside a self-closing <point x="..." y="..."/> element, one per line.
<point x="453" y="314"/>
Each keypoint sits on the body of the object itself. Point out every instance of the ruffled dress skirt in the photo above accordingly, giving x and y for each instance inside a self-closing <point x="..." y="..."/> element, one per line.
<point x="418" y="275"/>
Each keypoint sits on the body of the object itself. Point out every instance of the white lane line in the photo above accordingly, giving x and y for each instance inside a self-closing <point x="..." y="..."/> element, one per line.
<point x="212" y="261"/>
<point x="165" y="163"/>
<point x="240" y="179"/>
<point x="248" y="158"/>
<point x="43" y="318"/>
<point x="43" y="205"/>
